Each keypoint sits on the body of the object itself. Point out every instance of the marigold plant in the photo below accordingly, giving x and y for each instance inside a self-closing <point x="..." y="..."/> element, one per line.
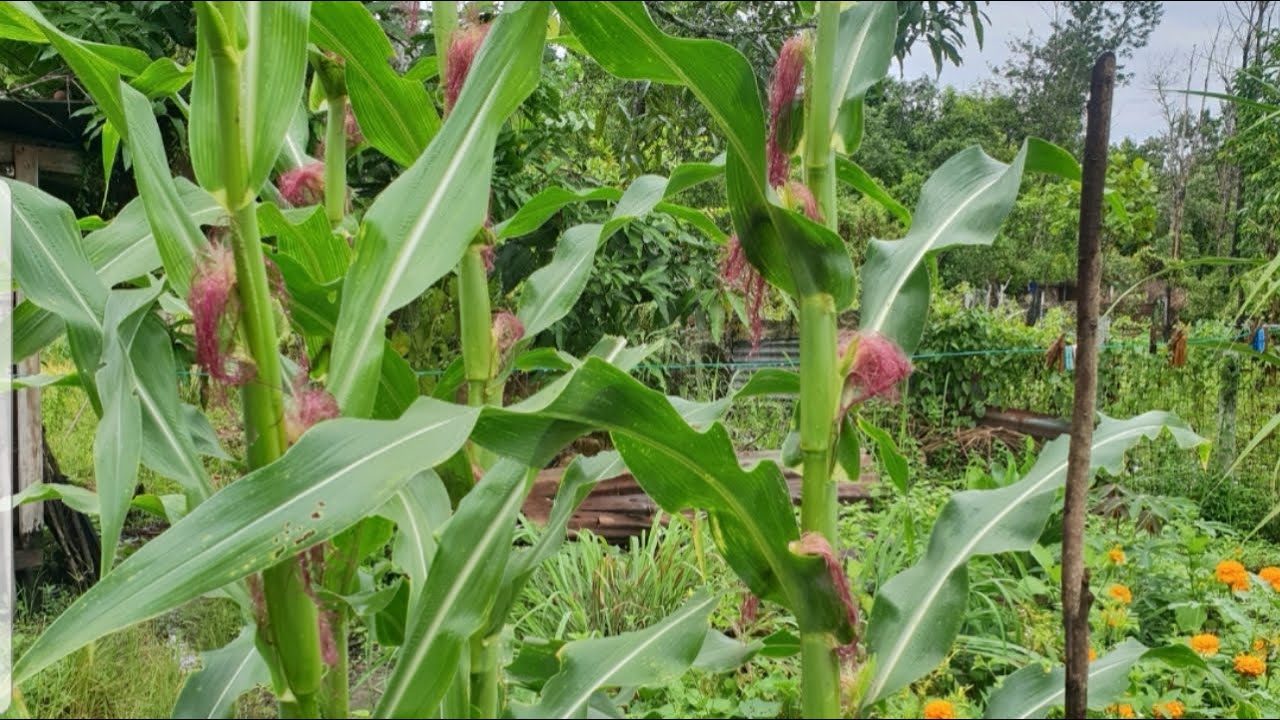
<point x="1122" y="710"/>
<point x="1271" y="576"/>
<point x="1232" y="573"/>
<point x="1205" y="644"/>
<point x="1173" y="709"/>
<point x="939" y="709"/>
<point x="1250" y="665"/>
<point x="1116" y="555"/>
<point x="1120" y="593"/>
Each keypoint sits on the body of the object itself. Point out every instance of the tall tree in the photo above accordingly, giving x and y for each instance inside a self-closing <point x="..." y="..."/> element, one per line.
<point x="1049" y="78"/>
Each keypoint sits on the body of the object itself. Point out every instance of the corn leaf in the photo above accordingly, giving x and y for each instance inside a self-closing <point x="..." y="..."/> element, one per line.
<point x="465" y="574"/>
<point x="394" y="112"/>
<point x="273" y="44"/>
<point x="917" y="613"/>
<point x="225" y="675"/>
<point x="867" y="33"/>
<point x="641" y="658"/>
<point x="339" y="471"/>
<point x="679" y="467"/>
<point x="794" y="253"/>
<point x="419" y="227"/>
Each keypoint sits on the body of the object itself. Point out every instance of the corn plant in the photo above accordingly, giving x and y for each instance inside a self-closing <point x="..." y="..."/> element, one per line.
<point x="287" y="292"/>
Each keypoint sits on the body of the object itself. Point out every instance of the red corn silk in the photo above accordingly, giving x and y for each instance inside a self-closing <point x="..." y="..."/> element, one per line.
<point x="740" y="275"/>
<point x="462" y="52"/>
<point x="303" y="186"/>
<point x="787" y="72"/>
<point x="214" y="308"/>
<point x="875" y="370"/>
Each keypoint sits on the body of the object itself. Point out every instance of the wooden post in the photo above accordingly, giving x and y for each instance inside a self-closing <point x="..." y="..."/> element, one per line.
<point x="1076" y="597"/>
<point x="25" y="408"/>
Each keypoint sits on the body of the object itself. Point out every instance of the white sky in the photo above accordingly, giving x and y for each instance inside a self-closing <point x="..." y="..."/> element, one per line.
<point x="1187" y="27"/>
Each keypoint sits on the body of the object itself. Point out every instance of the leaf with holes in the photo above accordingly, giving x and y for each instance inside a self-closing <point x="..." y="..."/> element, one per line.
<point x="339" y="471"/>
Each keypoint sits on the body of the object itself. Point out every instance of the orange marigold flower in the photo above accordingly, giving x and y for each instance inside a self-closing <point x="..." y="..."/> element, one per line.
<point x="1205" y="644"/>
<point x="939" y="709"/>
<point x="1172" y="709"/>
<point x="1250" y="665"/>
<point x="1260" y="646"/>
<point x="1271" y="575"/>
<point x="1121" y="593"/>
<point x="1124" y="710"/>
<point x="1093" y="654"/>
<point x="1116" y="555"/>
<point x="1231" y="572"/>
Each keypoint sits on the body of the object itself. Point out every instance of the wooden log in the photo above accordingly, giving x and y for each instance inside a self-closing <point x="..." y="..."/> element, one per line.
<point x="618" y="508"/>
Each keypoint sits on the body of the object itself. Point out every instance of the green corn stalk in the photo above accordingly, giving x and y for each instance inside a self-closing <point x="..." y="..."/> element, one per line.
<point x="292" y="616"/>
<point x="819" y="386"/>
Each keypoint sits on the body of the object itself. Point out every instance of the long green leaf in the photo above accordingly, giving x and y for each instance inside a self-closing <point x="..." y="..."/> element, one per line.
<point x="339" y="471"/>
<point x="178" y="237"/>
<point x="419" y="227"/>
<point x="48" y="262"/>
<point x="168" y="446"/>
<point x="580" y="476"/>
<point x="680" y="468"/>
<point x="394" y="113"/>
<point x="794" y="253"/>
<point x="855" y="177"/>
<point x="917" y="614"/>
<point x="273" y="63"/>
<point x="226" y="674"/>
<point x="963" y="203"/>
<point x="541" y="207"/>
<point x="866" y="41"/>
<point x="117" y="445"/>
<point x="641" y="658"/>
<point x="468" y="566"/>
<point x="419" y="510"/>
<point x="1033" y="692"/>
<point x="49" y="266"/>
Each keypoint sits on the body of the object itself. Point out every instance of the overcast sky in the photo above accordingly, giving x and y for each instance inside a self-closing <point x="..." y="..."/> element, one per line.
<point x="1187" y="27"/>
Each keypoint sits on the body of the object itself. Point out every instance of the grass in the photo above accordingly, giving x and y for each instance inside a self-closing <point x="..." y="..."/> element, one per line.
<point x="134" y="673"/>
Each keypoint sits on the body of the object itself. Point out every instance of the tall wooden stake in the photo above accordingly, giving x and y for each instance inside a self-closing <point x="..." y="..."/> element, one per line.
<point x="1076" y="597"/>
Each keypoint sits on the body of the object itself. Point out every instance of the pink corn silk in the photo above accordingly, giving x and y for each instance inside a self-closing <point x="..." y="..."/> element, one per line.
<point x="742" y="276"/>
<point x="812" y="543"/>
<point x="212" y="301"/>
<point x="507" y="331"/>
<point x="462" y="52"/>
<point x="804" y="196"/>
<point x="303" y="186"/>
<point x="878" y="366"/>
<point x="308" y="407"/>
<point x="782" y="93"/>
